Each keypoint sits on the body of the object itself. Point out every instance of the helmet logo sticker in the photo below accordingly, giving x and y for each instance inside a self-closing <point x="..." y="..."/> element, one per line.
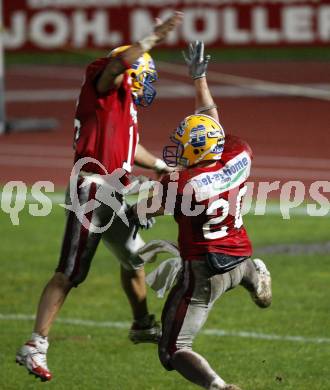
<point x="140" y="61"/>
<point x="197" y="136"/>
<point x="152" y="65"/>
<point x="218" y="149"/>
<point x="214" y="134"/>
<point x="180" y="130"/>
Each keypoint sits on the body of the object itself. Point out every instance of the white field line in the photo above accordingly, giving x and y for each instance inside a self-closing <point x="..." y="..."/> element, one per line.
<point x="52" y="72"/>
<point x="259" y="87"/>
<point x="207" y="332"/>
<point x="164" y="91"/>
<point x="236" y="91"/>
<point x="41" y="95"/>
<point x="46" y="157"/>
<point x="263" y="336"/>
<point x="255" y="84"/>
<point x="36" y="150"/>
<point x="65" y="163"/>
<point x="275" y="209"/>
<point x="37" y="162"/>
<point x="65" y="73"/>
<point x="289" y="162"/>
<point x="262" y="160"/>
<point x="281" y="173"/>
<point x="171" y="91"/>
<point x="6" y="198"/>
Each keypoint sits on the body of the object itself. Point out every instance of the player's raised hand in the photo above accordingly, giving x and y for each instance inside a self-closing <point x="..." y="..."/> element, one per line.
<point x="195" y="59"/>
<point x="163" y="28"/>
<point x="160" y="32"/>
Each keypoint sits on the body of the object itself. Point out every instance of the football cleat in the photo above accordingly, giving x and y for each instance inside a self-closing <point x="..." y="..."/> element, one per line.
<point x="146" y="331"/>
<point x="220" y="385"/>
<point x="262" y="296"/>
<point x="33" y="357"/>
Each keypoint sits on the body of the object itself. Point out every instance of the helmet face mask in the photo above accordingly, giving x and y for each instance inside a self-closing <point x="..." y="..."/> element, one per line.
<point x="198" y="138"/>
<point x="172" y="154"/>
<point x="143" y="73"/>
<point x="144" y="80"/>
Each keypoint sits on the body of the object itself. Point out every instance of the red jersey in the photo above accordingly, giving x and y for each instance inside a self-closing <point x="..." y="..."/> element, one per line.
<point x="208" y="204"/>
<point x="105" y="125"/>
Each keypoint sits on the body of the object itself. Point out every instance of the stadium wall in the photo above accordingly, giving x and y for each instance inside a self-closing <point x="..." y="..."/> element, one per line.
<point x="50" y="25"/>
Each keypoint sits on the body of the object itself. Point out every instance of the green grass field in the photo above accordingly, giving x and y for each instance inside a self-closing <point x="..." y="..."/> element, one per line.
<point x="96" y="357"/>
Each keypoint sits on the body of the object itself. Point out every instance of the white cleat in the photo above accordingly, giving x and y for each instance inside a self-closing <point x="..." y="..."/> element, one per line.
<point x="219" y="384"/>
<point x="33" y="357"/>
<point x="262" y="296"/>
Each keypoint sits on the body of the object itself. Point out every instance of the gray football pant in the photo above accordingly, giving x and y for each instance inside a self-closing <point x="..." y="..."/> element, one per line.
<point x="186" y="310"/>
<point x="80" y="243"/>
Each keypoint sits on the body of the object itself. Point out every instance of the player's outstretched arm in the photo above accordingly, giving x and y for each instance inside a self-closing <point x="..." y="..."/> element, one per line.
<point x="140" y="218"/>
<point x="143" y="158"/>
<point x="113" y="73"/>
<point x="197" y="63"/>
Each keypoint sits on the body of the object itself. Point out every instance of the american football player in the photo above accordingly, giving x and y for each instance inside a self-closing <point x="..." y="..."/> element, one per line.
<point x="205" y="197"/>
<point x="106" y="133"/>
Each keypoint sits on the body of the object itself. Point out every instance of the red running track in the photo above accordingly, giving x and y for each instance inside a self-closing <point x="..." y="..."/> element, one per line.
<point x="289" y="135"/>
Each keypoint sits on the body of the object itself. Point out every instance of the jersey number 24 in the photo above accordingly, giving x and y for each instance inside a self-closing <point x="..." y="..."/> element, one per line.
<point x="211" y="234"/>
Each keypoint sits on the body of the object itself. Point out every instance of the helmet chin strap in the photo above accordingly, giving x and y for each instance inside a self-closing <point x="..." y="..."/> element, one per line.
<point x="205" y="154"/>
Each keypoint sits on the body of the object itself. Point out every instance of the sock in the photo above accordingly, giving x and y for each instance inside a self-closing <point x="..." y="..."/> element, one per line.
<point x="217" y="384"/>
<point x="37" y="337"/>
<point x="144" y="321"/>
<point x="196" y="369"/>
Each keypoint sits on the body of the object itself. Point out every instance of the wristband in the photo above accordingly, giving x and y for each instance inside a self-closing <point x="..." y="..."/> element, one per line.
<point x="205" y="108"/>
<point x="160" y="165"/>
<point x="148" y="42"/>
<point x="199" y="76"/>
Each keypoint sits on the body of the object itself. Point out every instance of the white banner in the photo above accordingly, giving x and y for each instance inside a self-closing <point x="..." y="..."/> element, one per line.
<point x="77" y="24"/>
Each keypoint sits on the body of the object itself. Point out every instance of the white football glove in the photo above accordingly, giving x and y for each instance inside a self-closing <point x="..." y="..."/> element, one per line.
<point x="195" y="60"/>
<point x="161" y="167"/>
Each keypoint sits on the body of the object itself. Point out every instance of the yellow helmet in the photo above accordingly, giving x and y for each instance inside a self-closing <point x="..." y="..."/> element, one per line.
<point x="198" y="138"/>
<point x="143" y="73"/>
